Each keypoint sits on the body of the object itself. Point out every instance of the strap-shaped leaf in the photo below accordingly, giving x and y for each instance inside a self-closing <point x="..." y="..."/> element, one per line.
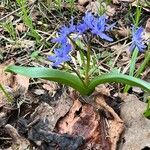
<point x="50" y="74"/>
<point x="118" y="78"/>
<point x="74" y="81"/>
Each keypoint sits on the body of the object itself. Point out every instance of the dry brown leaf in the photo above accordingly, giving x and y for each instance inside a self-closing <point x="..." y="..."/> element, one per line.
<point x="83" y="2"/>
<point x="100" y="101"/>
<point x="147" y="31"/>
<point x="6" y="80"/>
<point x="14" y="84"/>
<point x="83" y="120"/>
<point x="39" y="91"/>
<point x="5" y="77"/>
<point x="34" y="15"/>
<point x="26" y="44"/>
<point x="137" y="133"/>
<point x="21" y="82"/>
<point x="137" y="90"/>
<point x="147" y="27"/>
<point x="122" y="55"/>
<point x="3" y="118"/>
<point x="5" y="112"/>
<point x="21" y="27"/>
<point x="81" y="8"/>
<point x="110" y="11"/>
<point x="11" y="18"/>
<point x="22" y="43"/>
<point x="103" y="90"/>
<point x="51" y="87"/>
<point x="124" y="32"/>
<point x="2" y="9"/>
<point x="19" y="142"/>
<point x="146" y="74"/>
<point x="116" y="1"/>
<point x="50" y="115"/>
<point x="116" y="125"/>
<point x="94" y="7"/>
<point x="32" y="1"/>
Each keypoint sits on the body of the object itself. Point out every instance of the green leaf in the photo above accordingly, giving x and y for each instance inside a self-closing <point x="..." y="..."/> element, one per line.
<point x="118" y="78"/>
<point x="50" y="74"/>
<point x="132" y="67"/>
<point x="74" y="81"/>
<point x="147" y="111"/>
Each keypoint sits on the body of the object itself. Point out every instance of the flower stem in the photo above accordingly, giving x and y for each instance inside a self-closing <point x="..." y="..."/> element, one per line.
<point x="132" y="67"/>
<point x="75" y="46"/>
<point x="87" y="69"/>
<point x="142" y="66"/>
<point x="77" y="73"/>
<point x="145" y="62"/>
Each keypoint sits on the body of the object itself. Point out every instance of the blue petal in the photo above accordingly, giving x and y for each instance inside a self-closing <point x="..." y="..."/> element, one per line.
<point x="139" y="31"/>
<point x="110" y="27"/>
<point x="81" y="28"/>
<point x="141" y="47"/>
<point x="52" y="58"/>
<point x="57" y="63"/>
<point x="137" y="40"/>
<point x="66" y="48"/>
<point x="89" y="19"/>
<point x="66" y="58"/>
<point x="132" y="47"/>
<point x="61" y="39"/>
<point x="100" y="23"/>
<point x="105" y="37"/>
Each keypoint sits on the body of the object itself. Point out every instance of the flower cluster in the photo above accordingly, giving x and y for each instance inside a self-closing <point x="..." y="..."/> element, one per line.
<point x="137" y="40"/>
<point x="61" y="55"/>
<point x="96" y="25"/>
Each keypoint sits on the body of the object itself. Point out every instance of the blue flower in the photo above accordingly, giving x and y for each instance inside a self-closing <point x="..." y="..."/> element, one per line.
<point x="87" y="23"/>
<point x="64" y="32"/>
<point x="81" y="28"/>
<point x="100" y="26"/>
<point x="61" y="55"/>
<point x="97" y="25"/>
<point x="88" y="20"/>
<point x="61" y="39"/>
<point x="137" y="40"/>
<point x="67" y="30"/>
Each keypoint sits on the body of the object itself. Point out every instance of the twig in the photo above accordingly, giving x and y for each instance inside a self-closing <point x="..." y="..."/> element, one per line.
<point x="14" y="12"/>
<point x="49" y="11"/>
<point x="105" y="46"/>
<point x="118" y="54"/>
<point x="39" y="7"/>
<point x="10" y="14"/>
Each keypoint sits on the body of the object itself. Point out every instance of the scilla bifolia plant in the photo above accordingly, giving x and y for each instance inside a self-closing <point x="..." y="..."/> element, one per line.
<point x="137" y="45"/>
<point x="84" y="83"/>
